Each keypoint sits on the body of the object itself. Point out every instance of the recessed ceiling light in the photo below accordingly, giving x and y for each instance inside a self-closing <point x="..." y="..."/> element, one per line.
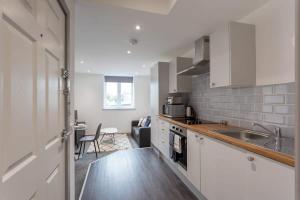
<point x="138" y="27"/>
<point x="82" y="61"/>
<point x="128" y="52"/>
<point x="88" y="71"/>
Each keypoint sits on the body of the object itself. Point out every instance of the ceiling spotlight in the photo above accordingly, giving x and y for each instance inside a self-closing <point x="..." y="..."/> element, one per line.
<point x="138" y="27"/>
<point x="128" y="52"/>
<point x="81" y="62"/>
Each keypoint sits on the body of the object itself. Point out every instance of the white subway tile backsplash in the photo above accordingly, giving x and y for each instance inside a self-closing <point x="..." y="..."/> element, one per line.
<point x="290" y="99"/>
<point x="267" y="90"/>
<point x="290" y="120"/>
<point x="271" y="105"/>
<point x="267" y="108"/>
<point x="285" y="88"/>
<point x="273" y="118"/>
<point x="285" y="109"/>
<point x="274" y="99"/>
<point x="247" y="107"/>
<point x="254" y="99"/>
<point x="258" y="107"/>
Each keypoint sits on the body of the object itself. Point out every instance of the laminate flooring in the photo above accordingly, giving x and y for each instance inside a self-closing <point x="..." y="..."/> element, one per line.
<point x="136" y="174"/>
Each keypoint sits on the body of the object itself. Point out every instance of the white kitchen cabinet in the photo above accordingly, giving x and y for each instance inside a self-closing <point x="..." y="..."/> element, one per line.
<point x="232" y="56"/>
<point x="223" y="171"/>
<point x="159" y="88"/>
<point x="193" y="158"/>
<point x="179" y="83"/>
<point x="230" y="173"/>
<point x="164" y="138"/>
<point x="155" y="131"/>
<point x="269" y="180"/>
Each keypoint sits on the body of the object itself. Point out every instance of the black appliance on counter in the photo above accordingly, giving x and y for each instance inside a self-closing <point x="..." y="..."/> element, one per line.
<point x="180" y="158"/>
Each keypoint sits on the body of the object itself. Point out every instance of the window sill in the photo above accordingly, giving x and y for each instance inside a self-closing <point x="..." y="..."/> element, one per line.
<point x="119" y="108"/>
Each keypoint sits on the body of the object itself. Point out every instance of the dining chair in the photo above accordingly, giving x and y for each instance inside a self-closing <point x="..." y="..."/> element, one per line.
<point x="90" y="138"/>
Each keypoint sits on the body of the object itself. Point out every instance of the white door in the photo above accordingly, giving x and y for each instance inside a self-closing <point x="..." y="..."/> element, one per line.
<point x="164" y="138"/>
<point x="31" y="100"/>
<point x="220" y="58"/>
<point x="193" y="158"/>
<point x="269" y="180"/>
<point x="223" y="171"/>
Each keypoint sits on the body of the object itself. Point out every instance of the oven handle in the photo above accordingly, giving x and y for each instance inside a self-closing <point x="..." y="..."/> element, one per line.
<point x="183" y="136"/>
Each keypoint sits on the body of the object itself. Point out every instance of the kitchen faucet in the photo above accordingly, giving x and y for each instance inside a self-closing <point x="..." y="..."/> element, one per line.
<point x="276" y="130"/>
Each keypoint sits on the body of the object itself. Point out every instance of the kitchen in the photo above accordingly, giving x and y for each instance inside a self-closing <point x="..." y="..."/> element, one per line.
<point x="228" y="108"/>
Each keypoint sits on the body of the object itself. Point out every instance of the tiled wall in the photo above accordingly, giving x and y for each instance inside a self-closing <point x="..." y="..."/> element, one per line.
<point x="269" y="105"/>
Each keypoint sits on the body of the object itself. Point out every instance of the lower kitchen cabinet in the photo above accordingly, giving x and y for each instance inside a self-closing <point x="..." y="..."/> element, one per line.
<point x="224" y="172"/>
<point x="164" y="137"/>
<point x="155" y="131"/>
<point x="193" y="158"/>
<point x="268" y="179"/>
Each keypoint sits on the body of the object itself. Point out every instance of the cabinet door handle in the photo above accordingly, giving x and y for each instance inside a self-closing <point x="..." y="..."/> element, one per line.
<point x="201" y="138"/>
<point x="213" y="84"/>
<point x="196" y="136"/>
<point x="250" y="158"/>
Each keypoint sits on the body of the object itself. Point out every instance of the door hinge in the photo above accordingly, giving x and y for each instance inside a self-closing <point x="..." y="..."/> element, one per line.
<point x="65" y="74"/>
<point x="66" y="91"/>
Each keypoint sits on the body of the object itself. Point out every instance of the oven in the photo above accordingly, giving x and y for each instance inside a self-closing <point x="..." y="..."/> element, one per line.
<point x="178" y="145"/>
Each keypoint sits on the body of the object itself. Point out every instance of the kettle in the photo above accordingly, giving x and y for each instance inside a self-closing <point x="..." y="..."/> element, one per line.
<point x="189" y="112"/>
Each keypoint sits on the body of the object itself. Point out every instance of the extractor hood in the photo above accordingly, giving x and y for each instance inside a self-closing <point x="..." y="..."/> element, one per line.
<point x="201" y="58"/>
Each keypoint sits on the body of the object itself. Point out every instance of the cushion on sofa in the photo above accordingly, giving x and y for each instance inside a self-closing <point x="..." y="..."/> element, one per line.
<point x="140" y="121"/>
<point x="148" y="122"/>
<point x="144" y="122"/>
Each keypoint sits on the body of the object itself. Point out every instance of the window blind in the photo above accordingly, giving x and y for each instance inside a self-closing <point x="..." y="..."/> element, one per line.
<point x="119" y="79"/>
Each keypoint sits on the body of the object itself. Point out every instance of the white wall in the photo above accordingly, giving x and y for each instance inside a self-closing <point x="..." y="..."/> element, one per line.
<point x="89" y="98"/>
<point x="275" y="41"/>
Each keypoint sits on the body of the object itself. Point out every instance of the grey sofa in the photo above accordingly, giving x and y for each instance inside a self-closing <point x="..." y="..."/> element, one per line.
<point x="142" y="135"/>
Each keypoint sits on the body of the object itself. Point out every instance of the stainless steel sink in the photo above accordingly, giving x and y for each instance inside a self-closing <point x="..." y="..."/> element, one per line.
<point x="244" y="134"/>
<point x="283" y="144"/>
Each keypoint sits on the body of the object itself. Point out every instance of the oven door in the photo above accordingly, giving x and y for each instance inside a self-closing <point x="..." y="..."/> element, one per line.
<point x="180" y="158"/>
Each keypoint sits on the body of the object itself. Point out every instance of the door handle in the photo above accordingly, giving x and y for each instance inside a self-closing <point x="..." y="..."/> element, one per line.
<point x="250" y="158"/>
<point x="65" y="135"/>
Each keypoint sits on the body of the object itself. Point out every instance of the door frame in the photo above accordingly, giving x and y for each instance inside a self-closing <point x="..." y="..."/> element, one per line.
<point x="297" y="66"/>
<point x="68" y="9"/>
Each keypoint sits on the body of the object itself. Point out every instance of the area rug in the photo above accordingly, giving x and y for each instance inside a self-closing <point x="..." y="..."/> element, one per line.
<point x="121" y="143"/>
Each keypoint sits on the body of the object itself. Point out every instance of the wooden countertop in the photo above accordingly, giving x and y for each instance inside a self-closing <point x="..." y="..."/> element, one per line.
<point x="208" y="130"/>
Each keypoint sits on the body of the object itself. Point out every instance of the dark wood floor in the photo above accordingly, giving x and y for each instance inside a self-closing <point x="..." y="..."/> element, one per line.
<point x="137" y="174"/>
<point x="81" y="165"/>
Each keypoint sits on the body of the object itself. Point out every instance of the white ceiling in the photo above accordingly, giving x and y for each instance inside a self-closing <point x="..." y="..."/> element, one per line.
<point x="154" y="6"/>
<point x="103" y="31"/>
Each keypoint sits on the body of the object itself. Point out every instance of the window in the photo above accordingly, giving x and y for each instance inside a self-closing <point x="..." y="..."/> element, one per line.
<point x="118" y="92"/>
